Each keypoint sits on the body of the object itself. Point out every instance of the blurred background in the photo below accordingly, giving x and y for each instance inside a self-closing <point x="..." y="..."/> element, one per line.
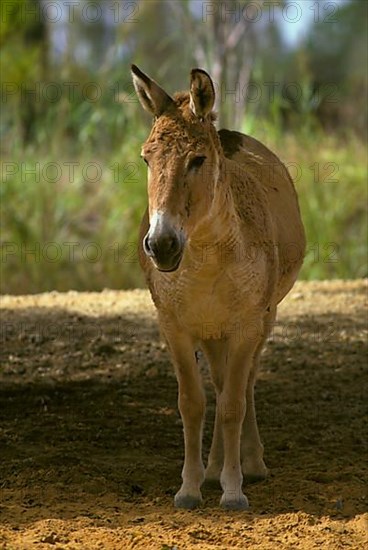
<point x="293" y="74"/>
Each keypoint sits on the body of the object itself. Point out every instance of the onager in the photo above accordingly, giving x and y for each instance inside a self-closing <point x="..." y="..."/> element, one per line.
<point x="221" y="244"/>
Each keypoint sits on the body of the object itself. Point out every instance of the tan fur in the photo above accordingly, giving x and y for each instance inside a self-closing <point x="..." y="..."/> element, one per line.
<point x="245" y="245"/>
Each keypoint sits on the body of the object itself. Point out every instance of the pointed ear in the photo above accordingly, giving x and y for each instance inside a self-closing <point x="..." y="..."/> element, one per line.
<point x="151" y="96"/>
<point x="202" y="93"/>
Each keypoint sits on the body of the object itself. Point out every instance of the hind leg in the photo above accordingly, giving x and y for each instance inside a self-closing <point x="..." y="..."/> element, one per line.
<point x="253" y="466"/>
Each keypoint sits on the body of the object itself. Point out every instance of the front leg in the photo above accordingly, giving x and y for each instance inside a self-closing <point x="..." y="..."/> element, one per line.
<point x="216" y="352"/>
<point x="191" y="401"/>
<point x="232" y="407"/>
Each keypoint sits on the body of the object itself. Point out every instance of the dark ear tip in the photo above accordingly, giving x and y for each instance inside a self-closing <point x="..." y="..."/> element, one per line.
<point x="137" y="72"/>
<point x="198" y="70"/>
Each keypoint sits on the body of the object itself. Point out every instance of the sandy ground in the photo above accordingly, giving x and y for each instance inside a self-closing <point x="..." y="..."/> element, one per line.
<point x="91" y="440"/>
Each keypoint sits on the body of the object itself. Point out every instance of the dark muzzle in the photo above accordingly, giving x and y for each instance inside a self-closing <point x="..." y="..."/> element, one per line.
<point x="165" y="247"/>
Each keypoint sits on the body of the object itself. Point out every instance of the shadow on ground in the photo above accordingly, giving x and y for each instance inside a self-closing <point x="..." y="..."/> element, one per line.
<point x="89" y="421"/>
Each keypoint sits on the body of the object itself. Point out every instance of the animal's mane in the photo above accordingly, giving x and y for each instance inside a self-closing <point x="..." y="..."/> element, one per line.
<point x="182" y="102"/>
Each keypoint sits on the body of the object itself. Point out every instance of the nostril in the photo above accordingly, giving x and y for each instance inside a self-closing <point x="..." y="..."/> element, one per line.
<point x="146" y="246"/>
<point x="164" y="248"/>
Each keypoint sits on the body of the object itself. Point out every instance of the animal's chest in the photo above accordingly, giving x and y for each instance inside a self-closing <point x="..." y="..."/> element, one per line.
<point x="210" y="302"/>
<point x="204" y="302"/>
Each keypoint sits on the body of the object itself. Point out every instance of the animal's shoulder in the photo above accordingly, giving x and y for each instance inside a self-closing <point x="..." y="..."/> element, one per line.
<point x="257" y="160"/>
<point x="235" y="144"/>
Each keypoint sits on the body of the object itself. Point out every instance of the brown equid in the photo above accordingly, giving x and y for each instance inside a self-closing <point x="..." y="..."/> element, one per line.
<point x="221" y="244"/>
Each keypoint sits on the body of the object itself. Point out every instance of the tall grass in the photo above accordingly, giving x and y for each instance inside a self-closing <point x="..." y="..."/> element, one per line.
<point x="331" y="183"/>
<point x="70" y="223"/>
<point x="75" y="227"/>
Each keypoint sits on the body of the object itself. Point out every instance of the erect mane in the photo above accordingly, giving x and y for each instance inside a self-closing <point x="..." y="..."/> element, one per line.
<point x="182" y="102"/>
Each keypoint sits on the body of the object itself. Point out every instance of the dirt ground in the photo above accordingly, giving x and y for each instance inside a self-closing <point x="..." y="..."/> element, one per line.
<point x="91" y="441"/>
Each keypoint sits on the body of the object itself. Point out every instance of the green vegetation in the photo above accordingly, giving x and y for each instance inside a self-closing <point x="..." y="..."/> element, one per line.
<point x="73" y="185"/>
<point x="331" y="183"/>
<point x="93" y="225"/>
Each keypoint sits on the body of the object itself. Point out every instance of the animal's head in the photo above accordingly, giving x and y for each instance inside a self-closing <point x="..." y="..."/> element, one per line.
<point x="183" y="156"/>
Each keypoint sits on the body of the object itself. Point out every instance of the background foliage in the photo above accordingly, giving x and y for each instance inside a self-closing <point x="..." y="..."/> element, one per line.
<point x="73" y="186"/>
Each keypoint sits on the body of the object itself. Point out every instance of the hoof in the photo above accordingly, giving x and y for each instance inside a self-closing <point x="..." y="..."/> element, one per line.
<point x="254" y="478"/>
<point x="232" y="504"/>
<point x="187" y="502"/>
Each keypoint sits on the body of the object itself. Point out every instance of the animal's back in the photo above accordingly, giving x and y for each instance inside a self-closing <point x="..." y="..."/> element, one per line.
<point x="269" y="172"/>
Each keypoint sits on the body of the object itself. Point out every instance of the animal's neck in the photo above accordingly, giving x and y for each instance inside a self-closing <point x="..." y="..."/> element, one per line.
<point x="220" y="225"/>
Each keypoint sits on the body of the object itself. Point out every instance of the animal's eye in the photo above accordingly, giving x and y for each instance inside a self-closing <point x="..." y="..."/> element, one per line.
<point x="196" y="163"/>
